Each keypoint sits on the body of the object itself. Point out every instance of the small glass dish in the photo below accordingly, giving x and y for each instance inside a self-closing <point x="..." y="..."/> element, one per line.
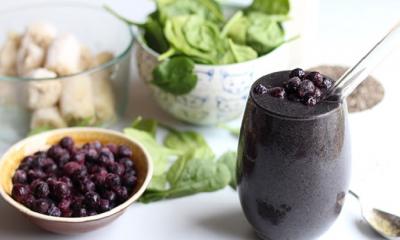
<point x="93" y="97"/>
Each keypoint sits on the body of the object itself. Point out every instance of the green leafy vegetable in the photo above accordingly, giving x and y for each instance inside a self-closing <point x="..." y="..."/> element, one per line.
<point x="184" y="165"/>
<point x="175" y="76"/>
<point x="264" y="33"/>
<point x="229" y="159"/>
<point x="239" y="53"/>
<point x="271" y="6"/>
<point x="206" y="9"/>
<point x="232" y="130"/>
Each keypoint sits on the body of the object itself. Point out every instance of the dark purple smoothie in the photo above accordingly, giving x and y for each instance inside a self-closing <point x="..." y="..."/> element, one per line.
<point x="293" y="164"/>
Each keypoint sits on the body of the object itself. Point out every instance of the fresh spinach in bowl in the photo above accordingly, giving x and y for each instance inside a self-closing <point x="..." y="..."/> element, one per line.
<point x="186" y="32"/>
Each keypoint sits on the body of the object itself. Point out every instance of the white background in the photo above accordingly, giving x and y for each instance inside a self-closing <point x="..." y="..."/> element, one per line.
<point x="347" y="29"/>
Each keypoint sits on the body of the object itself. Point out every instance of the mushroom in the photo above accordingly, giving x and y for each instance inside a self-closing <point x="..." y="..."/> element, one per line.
<point x="29" y="57"/>
<point x="63" y="56"/>
<point x="43" y="94"/>
<point x="43" y="34"/>
<point x="47" y="117"/>
<point x="8" y="55"/>
<point x="76" y="103"/>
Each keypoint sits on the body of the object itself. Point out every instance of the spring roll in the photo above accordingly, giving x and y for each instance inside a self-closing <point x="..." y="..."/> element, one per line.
<point x="63" y="56"/>
<point x="30" y="56"/>
<point x="8" y="55"/>
<point x="103" y="96"/>
<point x="47" y="117"/>
<point x="43" y="94"/>
<point x="76" y="103"/>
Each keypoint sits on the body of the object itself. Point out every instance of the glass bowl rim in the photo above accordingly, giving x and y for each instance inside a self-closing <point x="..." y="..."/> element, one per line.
<point x="91" y="6"/>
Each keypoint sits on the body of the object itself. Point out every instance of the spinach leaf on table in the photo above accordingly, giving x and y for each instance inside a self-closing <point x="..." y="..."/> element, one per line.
<point x="148" y="125"/>
<point x="229" y="159"/>
<point x="195" y="175"/>
<point x="175" y="76"/>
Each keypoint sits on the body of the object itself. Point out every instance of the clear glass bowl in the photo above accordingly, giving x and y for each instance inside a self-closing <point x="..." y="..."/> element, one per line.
<point x="97" y="96"/>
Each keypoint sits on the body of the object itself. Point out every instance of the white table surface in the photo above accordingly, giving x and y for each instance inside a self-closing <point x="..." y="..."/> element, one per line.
<point x="347" y="29"/>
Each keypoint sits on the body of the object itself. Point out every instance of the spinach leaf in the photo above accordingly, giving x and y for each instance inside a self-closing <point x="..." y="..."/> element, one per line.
<point x="232" y="130"/>
<point x="229" y="159"/>
<point x="38" y="130"/>
<point x="236" y="28"/>
<point x="154" y="35"/>
<point x="264" y="33"/>
<point x="147" y="125"/>
<point x="271" y="6"/>
<point x="153" y="30"/>
<point x="189" y="142"/>
<point x="239" y="53"/>
<point x="206" y="9"/>
<point x="175" y="76"/>
<point x="195" y="176"/>
<point x="182" y="33"/>
<point x="158" y="153"/>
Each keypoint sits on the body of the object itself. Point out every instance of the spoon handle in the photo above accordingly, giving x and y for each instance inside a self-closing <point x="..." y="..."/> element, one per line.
<point x="355" y="75"/>
<point x="354" y="194"/>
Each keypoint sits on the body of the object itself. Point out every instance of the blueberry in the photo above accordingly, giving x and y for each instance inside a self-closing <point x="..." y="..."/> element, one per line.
<point x="20" y="176"/>
<point x="41" y="205"/>
<point x="129" y="180"/>
<point x="316" y="78"/>
<point x="67" y="181"/>
<point x="77" y="202"/>
<point x="96" y="145"/>
<point x="86" y="185"/>
<point x="71" y="167"/>
<point x="122" y="194"/>
<point x="106" y="156"/>
<point x="293" y="84"/>
<point x="79" y="157"/>
<point x="28" y="201"/>
<point x="26" y="163"/>
<point x="124" y="151"/>
<point x="127" y="162"/>
<point x="110" y="196"/>
<point x="35" y="174"/>
<point x="40" y="189"/>
<point x="104" y="205"/>
<point x="54" y="211"/>
<point x="63" y="159"/>
<point x="306" y="88"/>
<point x="61" y="190"/>
<point x="19" y="192"/>
<point x="116" y="168"/>
<point x="112" y="181"/>
<point x="64" y="205"/>
<point x="82" y="212"/>
<point x="311" y="101"/>
<point x="99" y="179"/>
<point x="80" y="173"/>
<point x="92" y="155"/>
<point x="277" y="92"/>
<point x="92" y="200"/>
<point x="67" y="143"/>
<point x="55" y="151"/>
<point x="113" y="148"/>
<point x="50" y="168"/>
<point x="317" y="93"/>
<point x="327" y="83"/>
<point x="298" y="72"/>
<point x="260" y="89"/>
<point x="67" y="213"/>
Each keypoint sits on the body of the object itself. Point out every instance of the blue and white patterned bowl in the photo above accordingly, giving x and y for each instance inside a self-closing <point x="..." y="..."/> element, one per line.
<point x="221" y="91"/>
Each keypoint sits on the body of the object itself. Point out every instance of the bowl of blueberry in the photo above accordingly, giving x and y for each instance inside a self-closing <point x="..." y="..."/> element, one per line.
<point x="74" y="180"/>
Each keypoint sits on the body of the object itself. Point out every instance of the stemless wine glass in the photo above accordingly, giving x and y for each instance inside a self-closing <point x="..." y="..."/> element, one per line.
<point x="293" y="164"/>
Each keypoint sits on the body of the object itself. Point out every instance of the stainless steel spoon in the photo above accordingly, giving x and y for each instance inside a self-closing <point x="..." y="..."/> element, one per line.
<point x="384" y="223"/>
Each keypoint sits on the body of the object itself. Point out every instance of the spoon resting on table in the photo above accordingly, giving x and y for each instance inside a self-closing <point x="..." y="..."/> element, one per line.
<point x="384" y="223"/>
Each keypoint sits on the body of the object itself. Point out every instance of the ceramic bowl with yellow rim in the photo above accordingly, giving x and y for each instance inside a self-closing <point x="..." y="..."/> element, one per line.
<point x="41" y="142"/>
